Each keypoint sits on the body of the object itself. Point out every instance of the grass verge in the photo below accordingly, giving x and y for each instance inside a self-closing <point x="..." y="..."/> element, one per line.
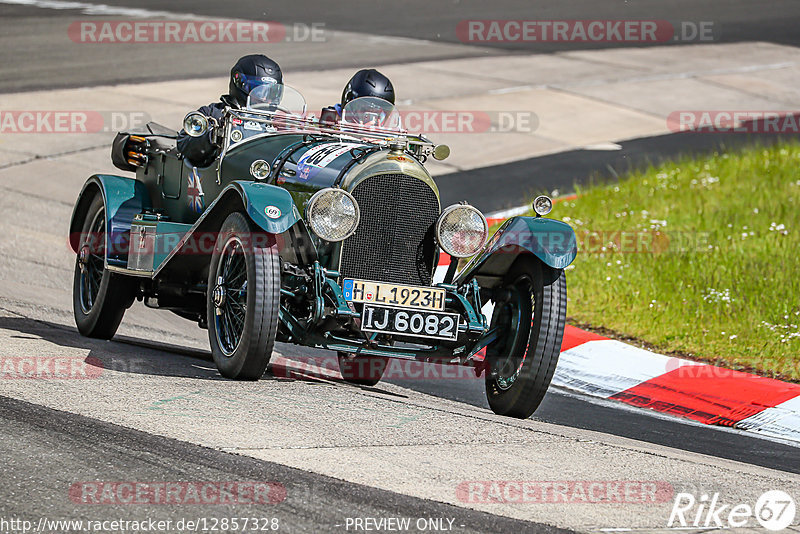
<point x="698" y="257"/>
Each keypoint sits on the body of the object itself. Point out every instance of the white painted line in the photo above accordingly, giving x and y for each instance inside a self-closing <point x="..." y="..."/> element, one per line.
<point x="782" y="421"/>
<point x="510" y="212"/>
<point x="394" y="40"/>
<point x="438" y="274"/>
<point x="102" y="9"/>
<point x="677" y="75"/>
<point x="522" y="210"/>
<point x="624" y="407"/>
<point x="603" y="146"/>
<point x="507" y="90"/>
<point x="605" y="367"/>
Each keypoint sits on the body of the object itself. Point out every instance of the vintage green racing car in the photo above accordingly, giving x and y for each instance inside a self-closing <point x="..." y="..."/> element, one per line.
<point x="322" y="234"/>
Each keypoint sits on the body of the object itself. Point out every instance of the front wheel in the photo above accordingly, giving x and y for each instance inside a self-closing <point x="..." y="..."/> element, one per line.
<point x="530" y="313"/>
<point x="244" y="284"/>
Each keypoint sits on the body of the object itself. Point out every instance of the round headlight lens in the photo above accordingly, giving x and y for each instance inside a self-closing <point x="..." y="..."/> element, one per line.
<point x="333" y="214"/>
<point x="259" y="169"/>
<point x="462" y="230"/>
<point x="195" y="124"/>
<point x="542" y="205"/>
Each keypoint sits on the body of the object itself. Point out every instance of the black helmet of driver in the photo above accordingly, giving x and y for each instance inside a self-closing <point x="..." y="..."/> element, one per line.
<point x="250" y="72"/>
<point x="368" y="82"/>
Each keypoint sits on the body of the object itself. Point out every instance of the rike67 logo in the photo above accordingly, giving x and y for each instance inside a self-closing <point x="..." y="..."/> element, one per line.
<point x="774" y="510"/>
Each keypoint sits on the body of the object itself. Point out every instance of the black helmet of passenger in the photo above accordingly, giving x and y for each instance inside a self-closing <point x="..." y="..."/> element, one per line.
<point x="368" y="82"/>
<point x="252" y="71"/>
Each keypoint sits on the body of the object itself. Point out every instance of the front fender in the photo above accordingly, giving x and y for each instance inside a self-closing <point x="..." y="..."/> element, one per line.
<point x="255" y="198"/>
<point x="270" y="207"/>
<point x="123" y="198"/>
<point x="551" y="241"/>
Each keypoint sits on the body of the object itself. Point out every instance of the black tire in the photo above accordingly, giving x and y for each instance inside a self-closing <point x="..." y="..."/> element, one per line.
<point x="362" y="370"/>
<point x="244" y="286"/>
<point x="99" y="297"/>
<point x="531" y="312"/>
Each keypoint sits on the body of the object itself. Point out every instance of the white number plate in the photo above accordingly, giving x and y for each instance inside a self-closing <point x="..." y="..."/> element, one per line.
<point x="436" y="325"/>
<point x="426" y="298"/>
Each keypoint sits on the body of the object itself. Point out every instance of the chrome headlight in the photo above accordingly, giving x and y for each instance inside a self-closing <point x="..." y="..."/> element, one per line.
<point x="542" y="205"/>
<point x="333" y="214"/>
<point x="195" y="124"/>
<point x="461" y="230"/>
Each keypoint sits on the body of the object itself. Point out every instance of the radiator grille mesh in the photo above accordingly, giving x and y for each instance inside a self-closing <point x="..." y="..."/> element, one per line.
<point x="394" y="241"/>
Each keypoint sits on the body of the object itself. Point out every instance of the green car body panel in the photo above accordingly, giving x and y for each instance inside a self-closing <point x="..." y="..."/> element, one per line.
<point x="551" y="241"/>
<point x="229" y="247"/>
<point x="124" y="198"/>
<point x="185" y="205"/>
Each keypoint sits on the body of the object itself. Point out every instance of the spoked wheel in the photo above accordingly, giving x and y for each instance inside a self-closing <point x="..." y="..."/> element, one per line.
<point x="530" y="313"/>
<point x="362" y="370"/>
<point x="99" y="297"/>
<point x="243" y="299"/>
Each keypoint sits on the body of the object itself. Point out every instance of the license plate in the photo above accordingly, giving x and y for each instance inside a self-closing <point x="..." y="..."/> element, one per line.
<point x="426" y="298"/>
<point x="429" y="324"/>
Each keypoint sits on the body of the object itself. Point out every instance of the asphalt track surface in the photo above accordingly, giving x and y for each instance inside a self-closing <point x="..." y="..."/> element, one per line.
<point x="499" y="187"/>
<point x="36" y="53"/>
<point x="559" y="407"/>
<point x="738" y="20"/>
<point x="70" y="447"/>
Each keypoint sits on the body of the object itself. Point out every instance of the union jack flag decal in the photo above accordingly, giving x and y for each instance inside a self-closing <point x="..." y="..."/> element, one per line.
<point x="194" y="192"/>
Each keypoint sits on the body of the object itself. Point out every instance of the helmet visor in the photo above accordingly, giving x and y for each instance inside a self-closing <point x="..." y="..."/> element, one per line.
<point x="265" y="96"/>
<point x="247" y="83"/>
<point x="276" y="97"/>
<point x="371" y="112"/>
